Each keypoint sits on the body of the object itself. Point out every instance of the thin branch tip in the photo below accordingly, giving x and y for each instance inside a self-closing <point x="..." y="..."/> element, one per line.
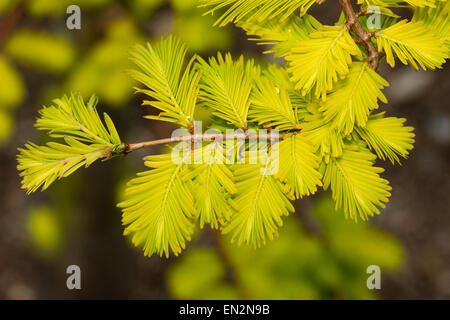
<point x="365" y="37"/>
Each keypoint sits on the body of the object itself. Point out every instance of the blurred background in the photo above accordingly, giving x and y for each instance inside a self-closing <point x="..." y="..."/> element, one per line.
<point x="319" y="254"/>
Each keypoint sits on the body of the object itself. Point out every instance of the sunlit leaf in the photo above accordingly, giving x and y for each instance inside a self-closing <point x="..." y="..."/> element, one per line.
<point x="388" y="137"/>
<point x="437" y="20"/>
<point x="322" y="59"/>
<point x="159" y="207"/>
<point x="172" y="90"/>
<point x="226" y="86"/>
<point x="261" y="205"/>
<point x="255" y="10"/>
<point x="323" y="135"/>
<point x="298" y="166"/>
<point x="412" y="44"/>
<point x="282" y="35"/>
<point x="86" y="139"/>
<point x="213" y="186"/>
<point x="272" y="106"/>
<point x="352" y="99"/>
<point x="356" y="184"/>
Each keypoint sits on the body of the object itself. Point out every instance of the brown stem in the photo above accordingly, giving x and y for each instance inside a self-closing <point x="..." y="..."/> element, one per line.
<point x="127" y="148"/>
<point x="352" y="22"/>
<point x="360" y="13"/>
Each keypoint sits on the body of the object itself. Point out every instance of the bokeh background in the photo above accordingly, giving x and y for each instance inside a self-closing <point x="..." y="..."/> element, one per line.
<point x="319" y="254"/>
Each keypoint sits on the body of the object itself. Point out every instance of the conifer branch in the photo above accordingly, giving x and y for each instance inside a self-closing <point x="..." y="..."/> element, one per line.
<point x="353" y="23"/>
<point x="130" y="147"/>
<point x="321" y="101"/>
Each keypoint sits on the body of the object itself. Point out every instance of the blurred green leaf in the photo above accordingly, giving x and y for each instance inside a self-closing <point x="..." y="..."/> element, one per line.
<point x="89" y="3"/>
<point x="144" y="8"/>
<point x="12" y="89"/>
<point x="194" y="29"/>
<point x="6" y="125"/>
<point x="45" y="230"/>
<point x="299" y="265"/>
<point x="41" y="50"/>
<point x="103" y="70"/>
<point x="5" y="5"/>
<point x="184" y="281"/>
<point x="40" y="8"/>
<point x="185" y="5"/>
<point x="44" y="7"/>
<point x="358" y="244"/>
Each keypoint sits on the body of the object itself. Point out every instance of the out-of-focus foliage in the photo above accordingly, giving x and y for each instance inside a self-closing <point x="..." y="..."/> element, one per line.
<point x="189" y="29"/>
<point x="103" y="69"/>
<point x="6" y="124"/>
<point x="299" y="265"/>
<point x="41" y="50"/>
<point x="12" y="92"/>
<point x="143" y="9"/>
<point x="184" y="5"/>
<point x="5" y="5"/>
<point x="193" y="29"/>
<point x="359" y="245"/>
<point x="58" y="8"/>
<point x="200" y="275"/>
<point x="45" y="230"/>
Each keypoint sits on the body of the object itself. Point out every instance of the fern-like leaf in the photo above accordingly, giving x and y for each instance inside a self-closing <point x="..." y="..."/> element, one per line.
<point x="323" y="135"/>
<point x="421" y="3"/>
<point x="355" y="183"/>
<point x="400" y="3"/>
<point x="42" y="165"/>
<point x="272" y="106"/>
<point x="213" y="186"/>
<point x="261" y="205"/>
<point x="413" y="44"/>
<point x="354" y="98"/>
<point x="280" y="78"/>
<point x="226" y="86"/>
<point x="436" y="19"/>
<point x="159" y="207"/>
<point x="86" y="139"/>
<point x="320" y="61"/>
<point x="283" y="35"/>
<point x="298" y="166"/>
<point x="172" y="90"/>
<point x="255" y="10"/>
<point x="71" y="116"/>
<point x="388" y="137"/>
